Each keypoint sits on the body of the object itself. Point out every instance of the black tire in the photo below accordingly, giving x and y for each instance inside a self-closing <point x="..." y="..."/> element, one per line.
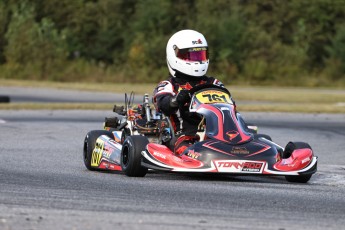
<point x="125" y="133"/>
<point x="89" y="146"/>
<point x="111" y="122"/>
<point x="4" y="99"/>
<point x="131" y="156"/>
<point x="290" y="147"/>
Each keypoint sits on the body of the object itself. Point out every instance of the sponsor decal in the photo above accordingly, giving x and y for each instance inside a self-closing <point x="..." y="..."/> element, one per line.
<point x="306" y="160"/>
<point x="232" y="134"/>
<point x="218" y="83"/>
<point x="288" y="163"/>
<point x="239" y="166"/>
<point x="252" y="167"/>
<point x="186" y="86"/>
<point x="197" y="42"/>
<point x="160" y="155"/>
<point x="239" y="150"/>
<point x="108" y="150"/>
<point x="97" y="153"/>
<point x="162" y="84"/>
<point x="179" y="160"/>
<point x="193" y="154"/>
<point x="105" y="165"/>
<point x="197" y="49"/>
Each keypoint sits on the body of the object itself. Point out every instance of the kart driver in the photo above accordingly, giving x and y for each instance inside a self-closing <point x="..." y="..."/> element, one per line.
<point x="187" y="59"/>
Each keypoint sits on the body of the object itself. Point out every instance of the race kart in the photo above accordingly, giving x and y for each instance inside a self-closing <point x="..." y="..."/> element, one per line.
<point x="139" y="139"/>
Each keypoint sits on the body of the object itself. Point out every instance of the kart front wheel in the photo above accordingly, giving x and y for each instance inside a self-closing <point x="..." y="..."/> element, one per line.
<point x="90" y="143"/>
<point x="290" y="147"/>
<point x="131" y="156"/>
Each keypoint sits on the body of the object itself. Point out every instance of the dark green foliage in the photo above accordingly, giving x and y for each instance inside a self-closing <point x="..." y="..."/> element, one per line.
<point x="33" y="46"/>
<point x="292" y="42"/>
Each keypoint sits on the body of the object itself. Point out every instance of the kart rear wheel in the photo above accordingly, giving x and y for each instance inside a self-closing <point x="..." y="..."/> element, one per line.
<point x="89" y="145"/>
<point x="290" y="147"/>
<point x="131" y="156"/>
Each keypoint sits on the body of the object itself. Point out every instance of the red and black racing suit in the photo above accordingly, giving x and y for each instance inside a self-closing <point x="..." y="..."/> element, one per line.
<point x="185" y="123"/>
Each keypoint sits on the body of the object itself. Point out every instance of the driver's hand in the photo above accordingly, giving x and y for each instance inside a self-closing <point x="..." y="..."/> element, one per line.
<point x="183" y="97"/>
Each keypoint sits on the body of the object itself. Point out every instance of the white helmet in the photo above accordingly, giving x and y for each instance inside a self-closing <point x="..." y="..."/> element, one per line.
<point x="187" y="52"/>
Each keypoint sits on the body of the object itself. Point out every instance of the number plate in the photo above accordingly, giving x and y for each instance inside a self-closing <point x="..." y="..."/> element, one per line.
<point x="213" y="96"/>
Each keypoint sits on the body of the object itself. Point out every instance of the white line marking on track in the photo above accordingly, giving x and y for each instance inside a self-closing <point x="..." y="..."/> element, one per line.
<point x="2" y="121"/>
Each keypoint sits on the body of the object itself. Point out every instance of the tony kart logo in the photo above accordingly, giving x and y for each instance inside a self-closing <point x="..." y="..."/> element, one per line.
<point x="239" y="166"/>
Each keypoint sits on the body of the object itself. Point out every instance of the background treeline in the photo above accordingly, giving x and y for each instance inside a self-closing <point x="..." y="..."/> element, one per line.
<point x="277" y="42"/>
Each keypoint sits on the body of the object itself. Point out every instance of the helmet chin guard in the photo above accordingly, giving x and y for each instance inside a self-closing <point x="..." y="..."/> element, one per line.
<point x="187" y="52"/>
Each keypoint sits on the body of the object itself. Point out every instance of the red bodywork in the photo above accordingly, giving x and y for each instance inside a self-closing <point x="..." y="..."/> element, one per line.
<point x="299" y="159"/>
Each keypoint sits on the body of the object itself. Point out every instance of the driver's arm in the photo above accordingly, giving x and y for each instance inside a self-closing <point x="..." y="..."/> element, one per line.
<point x="164" y="98"/>
<point x="165" y="104"/>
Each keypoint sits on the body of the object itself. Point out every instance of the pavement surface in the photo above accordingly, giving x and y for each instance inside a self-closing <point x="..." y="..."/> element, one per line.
<point x="48" y="95"/>
<point x="45" y="185"/>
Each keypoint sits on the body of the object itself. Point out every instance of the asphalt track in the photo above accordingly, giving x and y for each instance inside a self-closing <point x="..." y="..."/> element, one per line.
<point x="48" y="95"/>
<point x="44" y="184"/>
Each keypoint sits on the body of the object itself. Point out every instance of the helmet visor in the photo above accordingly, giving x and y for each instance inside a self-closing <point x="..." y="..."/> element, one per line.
<point x="192" y="54"/>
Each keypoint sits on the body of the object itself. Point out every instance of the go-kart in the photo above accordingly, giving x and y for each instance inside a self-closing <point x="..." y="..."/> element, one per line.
<point x="138" y="139"/>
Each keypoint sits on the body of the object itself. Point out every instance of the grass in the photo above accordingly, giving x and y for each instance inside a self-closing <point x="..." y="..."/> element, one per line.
<point x="314" y="100"/>
<point x="291" y="95"/>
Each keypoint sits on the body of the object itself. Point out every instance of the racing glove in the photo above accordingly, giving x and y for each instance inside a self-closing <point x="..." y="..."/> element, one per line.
<point x="181" y="98"/>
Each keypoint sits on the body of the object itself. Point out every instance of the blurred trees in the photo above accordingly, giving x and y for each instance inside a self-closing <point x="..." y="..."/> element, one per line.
<point x="292" y="42"/>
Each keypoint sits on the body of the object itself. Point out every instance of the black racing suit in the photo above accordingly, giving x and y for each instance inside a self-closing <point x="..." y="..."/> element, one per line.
<point x="184" y="122"/>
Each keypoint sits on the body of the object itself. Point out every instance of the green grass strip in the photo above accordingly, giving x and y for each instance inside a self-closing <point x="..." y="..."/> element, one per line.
<point x="305" y="100"/>
<point x="299" y="108"/>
